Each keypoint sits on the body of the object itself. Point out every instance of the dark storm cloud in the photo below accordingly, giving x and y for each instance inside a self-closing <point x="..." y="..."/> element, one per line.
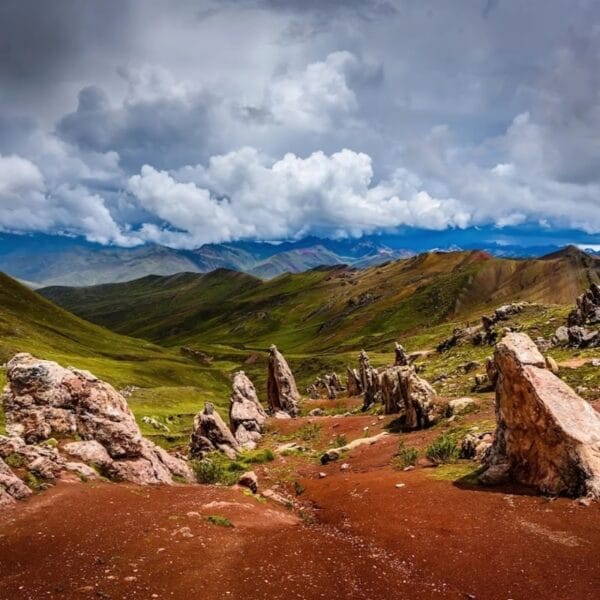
<point x="43" y="44"/>
<point x="165" y="131"/>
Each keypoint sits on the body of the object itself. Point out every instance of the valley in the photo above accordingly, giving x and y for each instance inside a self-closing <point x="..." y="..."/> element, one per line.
<point x="376" y="523"/>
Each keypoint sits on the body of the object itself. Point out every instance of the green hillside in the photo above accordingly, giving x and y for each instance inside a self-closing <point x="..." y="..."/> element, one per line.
<point x="30" y="323"/>
<point x="327" y="310"/>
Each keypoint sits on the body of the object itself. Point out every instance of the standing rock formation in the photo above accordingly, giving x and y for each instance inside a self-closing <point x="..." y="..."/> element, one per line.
<point x="546" y="435"/>
<point x="401" y="359"/>
<point x="282" y="392"/>
<point x="246" y="414"/>
<point x="44" y="400"/>
<point x="404" y="392"/>
<point x="210" y="433"/>
<point x="369" y="380"/>
<point x="353" y="382"/>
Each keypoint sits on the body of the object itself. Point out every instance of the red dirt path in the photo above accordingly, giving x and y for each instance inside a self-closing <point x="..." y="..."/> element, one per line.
<point x="371" y="540"/>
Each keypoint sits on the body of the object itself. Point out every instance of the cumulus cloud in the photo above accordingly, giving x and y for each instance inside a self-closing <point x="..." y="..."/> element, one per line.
<point x="244" y="195"/>
<point x="27" y="205"/>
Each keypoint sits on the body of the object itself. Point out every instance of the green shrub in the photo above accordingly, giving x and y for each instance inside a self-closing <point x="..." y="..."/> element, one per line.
<point x="212" y="471"/>
<point x="219" y="520"/>
<point x="404" y="456"/>
<point x="443" y="449"/>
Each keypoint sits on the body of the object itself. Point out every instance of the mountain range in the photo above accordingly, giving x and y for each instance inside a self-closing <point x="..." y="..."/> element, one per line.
<point x="43" y="260"/>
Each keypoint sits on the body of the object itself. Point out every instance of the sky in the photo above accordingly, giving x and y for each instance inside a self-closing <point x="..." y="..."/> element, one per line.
<point x="183" y="123"/>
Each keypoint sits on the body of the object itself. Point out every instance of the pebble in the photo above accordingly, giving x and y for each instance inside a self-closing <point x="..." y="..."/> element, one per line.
<point x="345" y="467"/>
<point x="400" y="485"/>
<point x="321" y="475"/>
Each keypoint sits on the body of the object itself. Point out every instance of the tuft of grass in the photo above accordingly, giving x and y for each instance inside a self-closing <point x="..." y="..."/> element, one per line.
<point x="219" y="520"/>
<point x="299" y="489"/>
<point x="340" y="440"/>
<point x="444" y="449"/>
<point x="405" y="456"/>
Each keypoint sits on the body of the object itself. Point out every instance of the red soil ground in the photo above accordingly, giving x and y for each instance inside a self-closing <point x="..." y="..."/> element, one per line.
<point x="367" y="538"/>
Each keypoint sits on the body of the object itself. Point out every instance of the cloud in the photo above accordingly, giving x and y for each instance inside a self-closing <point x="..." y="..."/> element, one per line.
<point x="27" y="205"/>
<point x="244" y="195"/>
<point x="160" y="120"/>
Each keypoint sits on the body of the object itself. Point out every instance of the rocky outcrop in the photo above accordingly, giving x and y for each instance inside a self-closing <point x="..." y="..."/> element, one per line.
<point x="44" y="400"/>
<point x="246" y="414"/>
<point x="210" y="433"/>
<point x="546" y="435"/>
<point x="583" y="322"/>
<point x="196" y="355"/>
<point x="476" y="446"/>
<point x="484" y="334"/>
<point x="329" y="386"/>
<point x="587" y="308"/>
<point x="282" y="392"/>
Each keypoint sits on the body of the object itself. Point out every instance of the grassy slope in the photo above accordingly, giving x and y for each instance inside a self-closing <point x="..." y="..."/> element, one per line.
<point x="30" y="323"/>
<point x="326" y="310"/>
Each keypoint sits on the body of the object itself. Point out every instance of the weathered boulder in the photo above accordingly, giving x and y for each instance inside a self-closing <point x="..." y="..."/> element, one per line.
<point x="476" y="446"/>
<point x="459" y="406"/>
<point x="546" y="435"/>
<point x="90" y="452"/>
<point x="246" y="414"/>
<point x="421" y="409"/>
<point x="43" y="400"/>
<point x="249" y="480"/>
<point x="11" y="487"/>
<point x="210" y="433"/>
<point x="282" y="393"/>
<point x="336" y="453"/>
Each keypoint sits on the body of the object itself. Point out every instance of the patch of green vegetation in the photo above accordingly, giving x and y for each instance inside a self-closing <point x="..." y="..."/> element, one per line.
<point x="217" y="468"/>
<point x="299" y="489"/>
<point x="35" y="483"/>
<point x="462" y="472"/>
<point x="219" y="520"/>
<point x="405" y="456"/>
<point x="310" y="432"/>
<point x="16" y="461"/>
<point x="443" y="449"/>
